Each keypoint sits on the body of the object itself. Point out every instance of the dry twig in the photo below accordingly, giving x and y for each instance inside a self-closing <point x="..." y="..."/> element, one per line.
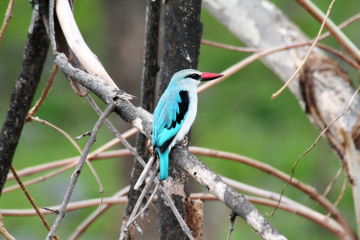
<point x="8" y="16"/>
<point x="31" y="200"/>
<point x="339" y="36"/>
<point x="3" y="230"/>
<point x="307" y="55"/>
<point x="44" y="94"/>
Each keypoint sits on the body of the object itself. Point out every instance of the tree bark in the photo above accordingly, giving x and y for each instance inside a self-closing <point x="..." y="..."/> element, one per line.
<point x="182" y="31"/>
<point x="29" y="77"/>
<point x="148" y="85"/>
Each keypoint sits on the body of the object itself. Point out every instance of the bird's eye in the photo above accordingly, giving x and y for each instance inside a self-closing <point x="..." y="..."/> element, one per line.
<point x="193" y="76"/>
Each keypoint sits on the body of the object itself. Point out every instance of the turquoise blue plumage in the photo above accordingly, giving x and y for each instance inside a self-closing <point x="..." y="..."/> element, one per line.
<point x="165" y="114"/>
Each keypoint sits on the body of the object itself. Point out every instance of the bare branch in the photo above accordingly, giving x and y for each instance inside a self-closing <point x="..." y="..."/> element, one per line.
<point x="78" y="45"/>
<point x="3" y="230"/>
<point x="78" y="169"/>
<point x="29" y="77"/>
<point x="31" y="200"/>
<point x="44" y="94"/>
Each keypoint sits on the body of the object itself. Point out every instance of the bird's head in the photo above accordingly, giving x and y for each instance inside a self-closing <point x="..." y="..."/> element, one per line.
<point x="193" y="77"/>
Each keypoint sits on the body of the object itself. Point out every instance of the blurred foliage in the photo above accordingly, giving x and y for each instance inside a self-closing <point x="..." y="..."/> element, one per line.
<point x="236" y="116"/>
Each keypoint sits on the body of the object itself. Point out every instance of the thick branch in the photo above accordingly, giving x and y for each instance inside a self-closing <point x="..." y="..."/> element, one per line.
<point x="33" y="62"/>
<point x="148" y="84"/>
<point x="182" y="31"/>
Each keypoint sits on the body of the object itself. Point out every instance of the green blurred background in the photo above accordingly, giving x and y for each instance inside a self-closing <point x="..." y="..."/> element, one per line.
<point x="236" y="116"/>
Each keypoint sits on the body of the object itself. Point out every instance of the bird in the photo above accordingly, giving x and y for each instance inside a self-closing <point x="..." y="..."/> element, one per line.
<point x="175" y="113"/>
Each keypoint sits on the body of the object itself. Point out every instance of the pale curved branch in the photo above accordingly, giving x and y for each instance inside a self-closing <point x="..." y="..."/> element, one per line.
<point x="78" y="45"/>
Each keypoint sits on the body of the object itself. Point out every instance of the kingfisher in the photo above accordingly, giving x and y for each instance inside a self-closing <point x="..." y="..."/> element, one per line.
<point x="176" y="112"/>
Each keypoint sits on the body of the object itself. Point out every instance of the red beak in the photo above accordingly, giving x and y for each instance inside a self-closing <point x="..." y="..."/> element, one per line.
<point x="210" y="76"/>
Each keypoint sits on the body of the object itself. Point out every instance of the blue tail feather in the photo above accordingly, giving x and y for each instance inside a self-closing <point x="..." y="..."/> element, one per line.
<point x="164" y="164"/>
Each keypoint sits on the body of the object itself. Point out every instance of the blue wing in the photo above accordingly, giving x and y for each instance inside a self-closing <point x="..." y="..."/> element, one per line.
<point x="169" y="116"/>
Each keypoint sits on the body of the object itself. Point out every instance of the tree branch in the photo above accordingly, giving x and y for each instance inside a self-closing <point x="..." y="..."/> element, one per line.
<point x="147" y="100"/>
<point x="23" y="93"/>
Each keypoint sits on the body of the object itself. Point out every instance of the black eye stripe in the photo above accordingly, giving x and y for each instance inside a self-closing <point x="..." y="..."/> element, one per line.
<point x="193" y="76"/>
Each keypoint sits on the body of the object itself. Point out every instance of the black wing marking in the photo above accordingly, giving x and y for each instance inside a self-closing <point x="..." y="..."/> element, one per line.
<point x="166" y="144"/>
<point x="183" y="108"/>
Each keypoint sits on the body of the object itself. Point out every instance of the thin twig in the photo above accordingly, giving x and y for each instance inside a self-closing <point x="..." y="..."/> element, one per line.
<point x="144" y="172"/>
<point x="307" y="55"/>
<point x="8" y="16"/>
<point x="315" y="142"/>
<point x="340" y="55"/>
<point x="31" y="200"/>
<point x="230" y="47"/>
<point x="44" y="94"/>
<point x="51" y="210"/>
<point x="78" y="169"/>
<point x="138" y="228"/>
<point x="148" y="202"/>
<point x="3" y="230"/>
<point x="59" y="130"/>
<point x="342" y="192"/>
<point x="332" y="182"/>
<point x="338" y="35"/>
<point x="294" y="45"/>
<point x="285" y="47"/>
<point x="97" y="154"/>
<point x="78" y="148"/>
<point x="236" y="67"/>
<point x="91" y="218"/>
<point x="83" y="135"/>
<point x="232" y="218"/>
<point x="52" y="26"/>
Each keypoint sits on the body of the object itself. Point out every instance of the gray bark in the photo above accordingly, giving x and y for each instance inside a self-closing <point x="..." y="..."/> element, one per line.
<point x="182" y="31"/>
<point x="147" y="102"/>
